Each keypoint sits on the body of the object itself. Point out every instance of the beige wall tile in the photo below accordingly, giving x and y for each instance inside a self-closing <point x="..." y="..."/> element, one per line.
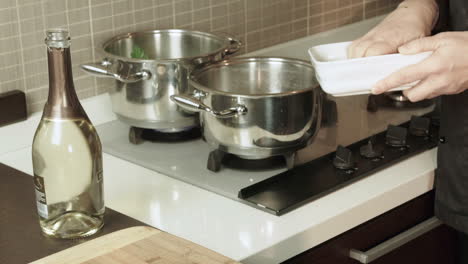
<point x="84" y="83"/>
<point x="38" y="95"/>
<point x="123" y="20"/>
<point x="36" y="67"/>
<point x="203" y="14"/>
<point x="121" y="7"/>
<point x="219" y="11"/>
<point x="144" y="15"/>
<point x="8" y="15"/>
<point x="56" y="20"/>
<point x="202" y="25"/>
<point x="14" y="72"/>
<point x="26" y="2"/>
<point x="101" y="11"/>
<point x="78" y="15"/>
<point x="35" y="53"/>
<point x="197" y="4"/>
<point x="164" y="11"/>
<point x="9" y="30"/>
<point x="10" y="85"/>
<point x="9" y="44"/>
<point x="76" y="4"/>
<point x="10" y="58"/>
<point x="183" y="20"/>
<point x="80" y="29"/>
<point x="7" y="3"/>
<point x="316" y="8"/>
<point x="54" y="6"/>
<point x="32" y="25"/>
<point x="35" y="81"/>
<point x="102" y="24"/>
<point x="182" y="6"/>
<point x="30" y="11"/>
<point x="165" y="23"/>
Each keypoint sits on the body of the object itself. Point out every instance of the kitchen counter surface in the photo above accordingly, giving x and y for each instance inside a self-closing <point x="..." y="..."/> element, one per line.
<point x="228" y="227"/>
<point x="21" y="240"/>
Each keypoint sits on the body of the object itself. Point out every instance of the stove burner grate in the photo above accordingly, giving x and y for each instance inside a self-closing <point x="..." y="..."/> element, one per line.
<point x="218" y="158"/>
<point x="139" y="135"/>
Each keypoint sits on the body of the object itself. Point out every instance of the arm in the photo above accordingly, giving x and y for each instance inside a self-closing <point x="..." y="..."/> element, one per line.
<point x="412" y="19"/>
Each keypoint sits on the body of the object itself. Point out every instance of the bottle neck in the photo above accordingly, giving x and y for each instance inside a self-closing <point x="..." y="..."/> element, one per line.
<point x="62" y="102"/>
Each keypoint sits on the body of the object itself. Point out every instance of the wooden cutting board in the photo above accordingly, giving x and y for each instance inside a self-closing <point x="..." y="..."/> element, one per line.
<point x="136" y="245"/>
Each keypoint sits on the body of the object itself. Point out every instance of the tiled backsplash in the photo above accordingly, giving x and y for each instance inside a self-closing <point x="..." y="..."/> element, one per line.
<point x="259" y="23"/>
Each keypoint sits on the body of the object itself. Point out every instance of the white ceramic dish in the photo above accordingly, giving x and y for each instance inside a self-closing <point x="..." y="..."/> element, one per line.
<point x="340" y="76"/>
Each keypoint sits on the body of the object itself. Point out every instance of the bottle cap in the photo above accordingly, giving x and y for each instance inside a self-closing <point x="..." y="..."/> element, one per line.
<point x="57" y="38"/>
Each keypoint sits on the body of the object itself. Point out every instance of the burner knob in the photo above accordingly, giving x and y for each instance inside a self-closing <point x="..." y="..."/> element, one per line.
<point x="396" y="136"/>
<point x="419" y="126"/>
<point x="369" y="151"/>
<point x="343" y="159"/>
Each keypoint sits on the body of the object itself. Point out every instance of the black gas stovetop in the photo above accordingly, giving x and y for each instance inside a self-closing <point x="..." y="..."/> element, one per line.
<point x="312" y="180"/>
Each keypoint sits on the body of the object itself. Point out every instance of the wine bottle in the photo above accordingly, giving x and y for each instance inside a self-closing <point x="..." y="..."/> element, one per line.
<point x="66" y="153"/>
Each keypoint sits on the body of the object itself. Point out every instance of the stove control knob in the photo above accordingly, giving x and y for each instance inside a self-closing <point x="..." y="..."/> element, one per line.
<point x="370" y="151"/>
<point x="419" y="126"/>
<point x="343" y="159"/>
<point x="396" y="136"/>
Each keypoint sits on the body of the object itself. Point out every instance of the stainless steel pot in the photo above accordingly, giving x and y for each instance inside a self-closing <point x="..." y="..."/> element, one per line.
<point x="144" y="85"/>
<point x="256" y="107"/>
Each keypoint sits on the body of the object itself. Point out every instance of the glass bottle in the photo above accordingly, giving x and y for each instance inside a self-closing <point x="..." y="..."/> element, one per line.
<point x="66" y="153"/>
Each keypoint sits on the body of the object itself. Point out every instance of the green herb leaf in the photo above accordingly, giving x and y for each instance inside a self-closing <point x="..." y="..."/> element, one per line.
<point x="138" y="53"/>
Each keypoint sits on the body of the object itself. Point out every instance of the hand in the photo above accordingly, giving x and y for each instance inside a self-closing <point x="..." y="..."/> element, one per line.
<point x="444" y="72"/>
<point x="411" y="20"/>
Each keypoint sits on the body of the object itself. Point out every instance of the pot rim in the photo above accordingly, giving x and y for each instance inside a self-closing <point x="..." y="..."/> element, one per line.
<point x="193" y="76"/>
<point x="135" y="33"/>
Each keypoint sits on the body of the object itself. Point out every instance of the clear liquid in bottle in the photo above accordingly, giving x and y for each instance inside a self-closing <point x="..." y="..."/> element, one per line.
<point x="66" y="154"/>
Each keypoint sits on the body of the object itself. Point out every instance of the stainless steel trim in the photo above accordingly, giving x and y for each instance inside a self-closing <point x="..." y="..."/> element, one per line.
<point x="235" y="44"/>
<point x="192" y="104"/>
<point x="194" y="78"/>
<point x="227" y="48"/>
<point x="103" y="70"/>
<point x="394" y="242"/>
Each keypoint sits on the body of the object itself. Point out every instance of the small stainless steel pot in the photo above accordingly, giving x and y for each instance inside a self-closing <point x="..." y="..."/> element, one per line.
<point x="256" y="107"/>
<point x="143" y="87"/>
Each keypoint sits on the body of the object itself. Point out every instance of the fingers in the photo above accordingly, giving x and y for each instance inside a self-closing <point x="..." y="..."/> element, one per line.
<point x="421" y="45"/>
<point x="426" y="89"/>
<point x="407" y="75"/>
<point x="366" y="48"/>
<point x="380" y="48"/>
<point x="358" y="48"/>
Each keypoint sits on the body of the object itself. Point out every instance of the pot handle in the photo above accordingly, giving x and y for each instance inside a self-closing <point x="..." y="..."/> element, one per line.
<point x="195" y="105"/>
<point x="234" y="43"/>
<point x="103" y="69"/>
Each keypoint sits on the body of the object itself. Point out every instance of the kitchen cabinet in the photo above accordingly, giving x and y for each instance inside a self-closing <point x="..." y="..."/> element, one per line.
<point x="434" y="246"/>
